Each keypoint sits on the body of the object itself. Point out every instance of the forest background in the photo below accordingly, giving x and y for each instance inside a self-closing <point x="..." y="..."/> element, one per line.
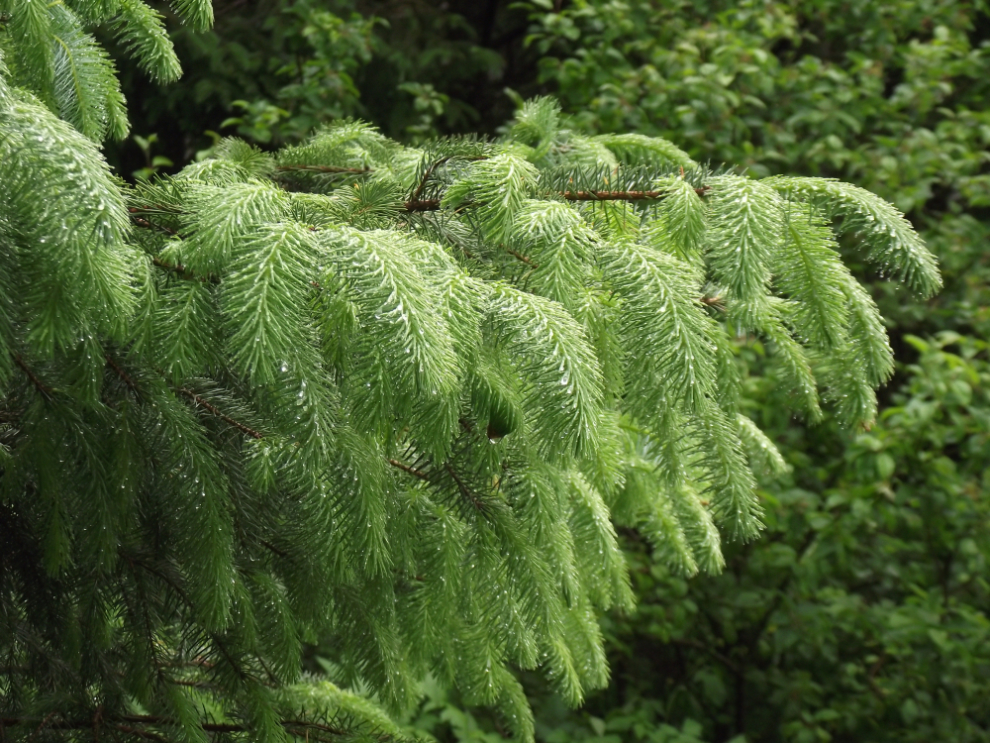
<point x="861" y="614"/>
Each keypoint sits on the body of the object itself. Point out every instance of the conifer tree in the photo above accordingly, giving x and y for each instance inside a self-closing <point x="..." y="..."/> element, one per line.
<point x="392" y="399"/>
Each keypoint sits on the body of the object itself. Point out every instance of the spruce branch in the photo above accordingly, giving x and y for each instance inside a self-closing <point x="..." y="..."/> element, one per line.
<point x="410" y="470"/>
<point x="142" y="222"/>
<point x="181" y="593"/>
<point x="426" y="177"/>
<point x="458" y="481"/>
<point x="44" y="389"/>
<point x="463" y="488"/>
<point x="182" y="272"/>
<point x="520" y="256"/>
<point x="422" y="205"/>
<point x="324" y="169"/>
<point x="122" y="374"/>
<point x="622" y="195"/>
<point x="384" y="313"/>
<point x="430" y="205"/>
<point x="127" y="723"/>
<point x="220" y="414"/>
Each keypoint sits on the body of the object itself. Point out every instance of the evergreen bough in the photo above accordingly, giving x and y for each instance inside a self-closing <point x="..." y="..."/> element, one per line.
<point x="386" y="398"/>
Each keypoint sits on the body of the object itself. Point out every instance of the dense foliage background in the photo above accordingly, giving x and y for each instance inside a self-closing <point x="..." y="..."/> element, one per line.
<point x="862" y="613"/>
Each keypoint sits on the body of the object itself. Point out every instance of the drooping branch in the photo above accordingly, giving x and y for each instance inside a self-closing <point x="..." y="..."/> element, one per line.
<point x="184" y="273"/>
<point x="219" y="414"/>
<point x="465" y="491"/>
<point x="521" y="257"/>
<point x="410" y="470"/>
<point x="422" y="205"/>
<point x="461" y="485"/>
<point x="122" y="374"/>
<point x="432" y="205"/>
<point x="136" y="725"/>
<point x="44" y="389"/>
<point x="621" y="195"/>
<point x="324" y="169"/>
<point x="142" y="222"/>
<point x="417" y="204"/>
<point x="132" y="561"/>
<point x="188" y="393"/>
<point x="191" y="395"/>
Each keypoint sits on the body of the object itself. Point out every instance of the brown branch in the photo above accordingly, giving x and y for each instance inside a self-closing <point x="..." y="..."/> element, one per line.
<point x="422" y="205"/>
<point x="272" y="548"/>
<point x="122" y="374"/>
<point x="325" y="169"/>
<point x="14" y="721"/>
<point x="621" y="195"/>
<point x="137" y="212"/>
<point x="872" y="674"/>
<point x="39" y="385"/>
<point x="464" y="488"/>
<point x="183" y="272"/>
<point x="432" y="205"/>
<point x="177" y="268"/>
<point x="147" y="734"/>
<point x="408" y="469"/>
<point x="190" y="684"/>
<point x="97" y="720"/>
<point x="465" y="491"/>
<point x="314" y="726"/>
<point x="141" y="608"/>
<point x="41" y="726"/>
<point x="125" y="724"/>
<point x="142" y="222"/>
<point x="188" y="602"/>
<point x="426" y="176"/>
<point x="194" y="663"/>
<point x="523" y="258"/>
<point x="216" y="411"/>
<point x="716" y="303"/>
<point x="155" y="209"/>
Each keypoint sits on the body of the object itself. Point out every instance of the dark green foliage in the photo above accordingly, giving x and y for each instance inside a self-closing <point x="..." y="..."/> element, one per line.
<point x="271" y="72"/>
